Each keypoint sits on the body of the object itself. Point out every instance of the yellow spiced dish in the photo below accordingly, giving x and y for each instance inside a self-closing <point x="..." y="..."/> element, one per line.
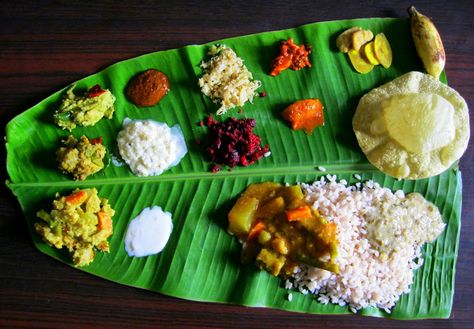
<point x="81" y="158"/>
<point x="84" y="110"/>
<point x="81" y="222"/>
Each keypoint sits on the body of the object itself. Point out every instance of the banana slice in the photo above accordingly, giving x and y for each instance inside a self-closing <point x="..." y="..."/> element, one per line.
<point x="382" y="50"/>
<point x="369" y="51"/>
<point x="359" y="62"/>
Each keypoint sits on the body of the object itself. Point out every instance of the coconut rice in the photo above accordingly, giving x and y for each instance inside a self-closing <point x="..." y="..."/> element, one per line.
<point x="366" y="279"/>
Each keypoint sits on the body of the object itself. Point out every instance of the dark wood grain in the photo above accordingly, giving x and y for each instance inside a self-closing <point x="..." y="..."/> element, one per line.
<point x="45" y="45"/>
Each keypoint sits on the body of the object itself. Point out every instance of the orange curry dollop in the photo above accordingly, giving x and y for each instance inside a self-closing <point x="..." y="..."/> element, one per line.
<point x="305" y="114"/>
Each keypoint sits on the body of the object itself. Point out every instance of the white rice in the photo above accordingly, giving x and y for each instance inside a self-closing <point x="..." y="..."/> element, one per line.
<point x="365" y="279"/>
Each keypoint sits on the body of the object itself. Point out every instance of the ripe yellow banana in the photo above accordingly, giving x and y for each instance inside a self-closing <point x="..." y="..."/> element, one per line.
<point x="428" y="42"/>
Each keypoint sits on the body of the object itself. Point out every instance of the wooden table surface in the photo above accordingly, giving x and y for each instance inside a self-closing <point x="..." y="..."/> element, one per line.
<point x="46" y="45"/>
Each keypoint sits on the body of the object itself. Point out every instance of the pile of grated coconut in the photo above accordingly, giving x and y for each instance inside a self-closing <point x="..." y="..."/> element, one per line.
<point x="226" y="80"/>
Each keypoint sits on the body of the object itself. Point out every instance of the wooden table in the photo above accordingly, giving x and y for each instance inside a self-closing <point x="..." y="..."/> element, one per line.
<point x="46" y="45"/>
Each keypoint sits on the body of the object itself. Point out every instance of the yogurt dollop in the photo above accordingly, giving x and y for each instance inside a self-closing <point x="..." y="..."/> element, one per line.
<point x="148" y="233"/>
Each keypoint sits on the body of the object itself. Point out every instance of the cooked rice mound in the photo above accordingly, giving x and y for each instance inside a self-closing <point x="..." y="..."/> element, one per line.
<point x="367" y="277"/>
<point x="226" y="80"/>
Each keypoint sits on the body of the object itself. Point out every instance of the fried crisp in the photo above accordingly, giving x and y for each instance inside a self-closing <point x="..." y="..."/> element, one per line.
<point x="412" y="127"/>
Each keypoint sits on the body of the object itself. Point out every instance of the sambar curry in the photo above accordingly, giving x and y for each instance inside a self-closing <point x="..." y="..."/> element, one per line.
<point x="280" y="230"/>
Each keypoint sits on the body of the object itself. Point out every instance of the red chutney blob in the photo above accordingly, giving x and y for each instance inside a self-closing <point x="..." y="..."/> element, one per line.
<point x="291" y="56"/>
<point x="305" y="114"/>
<point x="148" y="88"/>
<point x="95" y="91"/>
<point x="232" y="142"/>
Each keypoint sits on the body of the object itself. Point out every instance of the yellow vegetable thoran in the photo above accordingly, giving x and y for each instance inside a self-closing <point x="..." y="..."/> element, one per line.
<point x="81" y="222"/>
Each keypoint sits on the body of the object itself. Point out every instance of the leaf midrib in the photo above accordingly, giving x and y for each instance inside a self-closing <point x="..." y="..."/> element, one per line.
<point x="224" y="174"/>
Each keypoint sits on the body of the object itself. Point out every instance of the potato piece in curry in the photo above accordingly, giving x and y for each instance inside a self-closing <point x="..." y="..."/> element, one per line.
<point x="280" y="230"/>
<point x="81" y="222"/>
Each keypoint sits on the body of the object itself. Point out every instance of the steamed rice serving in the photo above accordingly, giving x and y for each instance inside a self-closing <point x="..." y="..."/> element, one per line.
<point x="368" y="277"/>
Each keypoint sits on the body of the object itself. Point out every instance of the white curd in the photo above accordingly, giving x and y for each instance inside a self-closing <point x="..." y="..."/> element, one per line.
<point x="148" y="233"/>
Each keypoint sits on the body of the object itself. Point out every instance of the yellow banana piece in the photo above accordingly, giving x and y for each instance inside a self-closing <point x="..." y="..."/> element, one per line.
<point x="428" y="42"/>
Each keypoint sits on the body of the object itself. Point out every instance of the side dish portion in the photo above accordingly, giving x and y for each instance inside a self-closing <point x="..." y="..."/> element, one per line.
<point x="279" y="230"/>
<point x="364" y="50"/>
<point x="232" y="143"/>
<point x="81" y="222"/>
<point x="427" y="42"/>
<point x="85" y="110"/>
<point x="305" y="114"/>
<point x="81" y="158"/>
<point x="291" y="56"/>
<point x="148" y="233"/>
<point x="148" y="88"/>
<point x="150" y="147"/>
<point x="226" y="80"/>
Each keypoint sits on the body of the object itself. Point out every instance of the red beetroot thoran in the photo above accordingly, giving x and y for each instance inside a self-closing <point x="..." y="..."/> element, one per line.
<point x="233" y="143"/>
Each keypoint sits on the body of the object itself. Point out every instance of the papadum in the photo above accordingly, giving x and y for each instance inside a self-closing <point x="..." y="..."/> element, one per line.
<point x="412" y="127"/>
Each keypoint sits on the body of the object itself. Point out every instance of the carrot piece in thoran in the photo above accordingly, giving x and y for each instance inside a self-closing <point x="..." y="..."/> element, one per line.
<point x="105" y="222"/>
<point x="76" y="198"/>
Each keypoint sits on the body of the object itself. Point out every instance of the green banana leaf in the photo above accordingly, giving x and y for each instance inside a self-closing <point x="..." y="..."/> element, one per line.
<point x="201" y="260"/>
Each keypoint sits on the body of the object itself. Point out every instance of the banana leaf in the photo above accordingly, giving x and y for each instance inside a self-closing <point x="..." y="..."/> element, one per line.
<point x="201" y="260"/>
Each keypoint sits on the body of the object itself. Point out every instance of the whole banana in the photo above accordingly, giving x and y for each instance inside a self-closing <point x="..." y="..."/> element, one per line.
<point x="428" y="42"/>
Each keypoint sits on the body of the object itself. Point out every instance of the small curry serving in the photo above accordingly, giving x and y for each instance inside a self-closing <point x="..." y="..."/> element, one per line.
<point x="280" y="230"/>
